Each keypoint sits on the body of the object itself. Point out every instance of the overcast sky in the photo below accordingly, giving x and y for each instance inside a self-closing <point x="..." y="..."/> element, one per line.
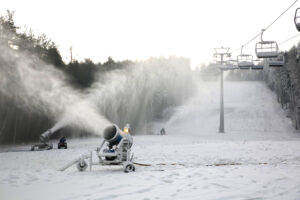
<point x="138" y="29"/>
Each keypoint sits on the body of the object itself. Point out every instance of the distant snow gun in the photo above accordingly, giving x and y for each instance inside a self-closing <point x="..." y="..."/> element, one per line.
<point x="45" y="137"/>
<point x="44" y="142"/>
<point x="163" y="131"/>
<point x="115" y="149"/>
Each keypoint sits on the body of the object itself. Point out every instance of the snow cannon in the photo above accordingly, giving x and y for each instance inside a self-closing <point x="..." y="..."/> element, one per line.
<point x="113" y="135"/>
<point x="44" y="142"/>
<point x="115" y="149"/>
<point x="46" y="136"/>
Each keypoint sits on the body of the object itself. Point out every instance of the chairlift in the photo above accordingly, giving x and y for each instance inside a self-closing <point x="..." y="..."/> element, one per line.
<point x="244" y="61"/>
<point x="258" y="65"/>
<point x="224" y="55"/>
<point x="266" y="49"/>
<point x="216" y="58"/>
<point x="230" y="65"/>
<point x="297" y="19"/>
<point x="279" y="61"/>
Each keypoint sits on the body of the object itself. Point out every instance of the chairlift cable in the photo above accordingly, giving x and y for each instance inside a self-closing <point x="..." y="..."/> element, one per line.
<point x="284" y="41"/>
<point x="281" y="15"/>
<point x="252" y="39"/>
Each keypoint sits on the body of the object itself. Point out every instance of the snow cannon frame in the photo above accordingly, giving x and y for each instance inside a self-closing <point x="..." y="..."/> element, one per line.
<point x="116" y="152"/>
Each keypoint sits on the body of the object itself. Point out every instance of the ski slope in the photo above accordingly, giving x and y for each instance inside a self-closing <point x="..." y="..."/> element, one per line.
<point x="251" y="112"/>
<point x="258" y="156"/>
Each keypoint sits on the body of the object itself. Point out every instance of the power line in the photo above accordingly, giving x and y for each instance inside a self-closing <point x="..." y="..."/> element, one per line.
<point x="267" y="26"/>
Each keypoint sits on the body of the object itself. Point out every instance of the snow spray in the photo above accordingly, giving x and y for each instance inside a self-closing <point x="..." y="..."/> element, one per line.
<point x="37" y="86"/>
<point x="137" y="94"/>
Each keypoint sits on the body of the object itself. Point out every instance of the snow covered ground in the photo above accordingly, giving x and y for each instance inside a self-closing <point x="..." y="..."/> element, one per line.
<point x="257" y="158"/>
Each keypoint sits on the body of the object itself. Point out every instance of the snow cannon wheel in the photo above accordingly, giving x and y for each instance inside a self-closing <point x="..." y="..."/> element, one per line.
<point x="129" y="167"/>
<point x="81" y="166"/>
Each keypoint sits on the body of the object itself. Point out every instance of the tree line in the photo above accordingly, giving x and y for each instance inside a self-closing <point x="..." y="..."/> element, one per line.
<point x="285" y="82"/>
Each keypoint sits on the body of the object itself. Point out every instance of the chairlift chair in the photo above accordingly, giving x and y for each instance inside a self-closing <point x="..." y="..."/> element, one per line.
<point x="279" y="61"/>
<point x="266" y="49"/>
<point x="297" y="19"/>
<point x="244" y="61"/>
<point x="230" y="65"/>
<point x="258" y="65"/>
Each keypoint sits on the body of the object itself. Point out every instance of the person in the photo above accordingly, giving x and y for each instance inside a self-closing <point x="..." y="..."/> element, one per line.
<point x="162" y="131"/>
<point x="62" y="143"/>
<point x="62" y="140"/>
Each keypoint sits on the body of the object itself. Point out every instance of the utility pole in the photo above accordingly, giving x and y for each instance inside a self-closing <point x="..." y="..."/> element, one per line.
<point x="220" y="53"/>
<point x="71" y="54"/>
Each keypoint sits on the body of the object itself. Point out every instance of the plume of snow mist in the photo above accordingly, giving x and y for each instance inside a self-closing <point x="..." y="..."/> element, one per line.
<point x="42" y="88"/>
<point x="140" y="94"/>
<point x="137" y="94"/>
<point x="84" y="115"/>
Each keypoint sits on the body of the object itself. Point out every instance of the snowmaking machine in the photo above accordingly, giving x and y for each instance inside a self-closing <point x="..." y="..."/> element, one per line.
<point x="44" y="142"/>
<point x="115" y="149"/>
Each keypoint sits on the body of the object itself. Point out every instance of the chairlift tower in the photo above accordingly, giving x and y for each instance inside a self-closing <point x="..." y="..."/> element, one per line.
<point x="221" y="53"/>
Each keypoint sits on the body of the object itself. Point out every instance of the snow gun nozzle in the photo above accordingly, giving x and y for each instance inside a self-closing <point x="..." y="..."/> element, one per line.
<point x="45" y="136"/>
<point x="113" y="135"/>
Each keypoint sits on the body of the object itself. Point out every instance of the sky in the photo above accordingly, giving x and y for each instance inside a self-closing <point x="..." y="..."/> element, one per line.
<point x="139" y="29"/>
